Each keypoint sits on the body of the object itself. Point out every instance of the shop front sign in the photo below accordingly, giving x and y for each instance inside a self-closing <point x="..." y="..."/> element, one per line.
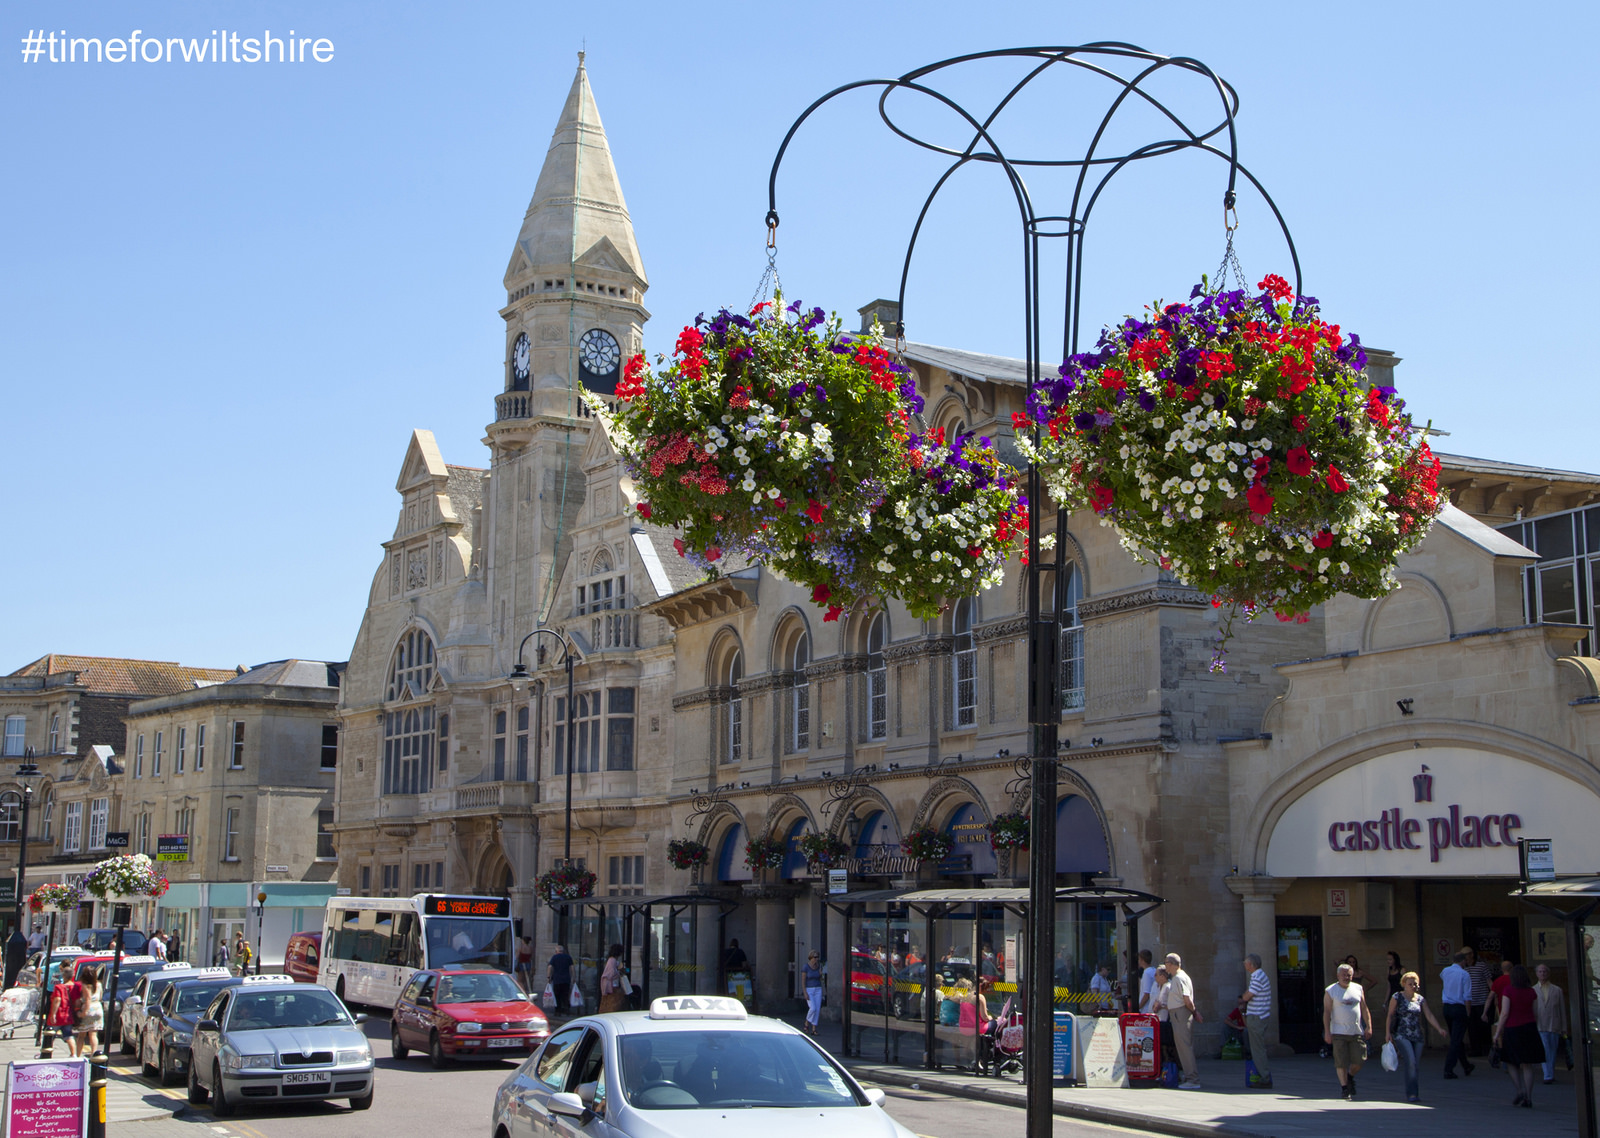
<point x="1442" y="811"/>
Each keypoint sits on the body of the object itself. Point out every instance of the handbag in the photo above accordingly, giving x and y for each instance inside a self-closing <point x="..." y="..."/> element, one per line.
<point x="1391" y="1058"/>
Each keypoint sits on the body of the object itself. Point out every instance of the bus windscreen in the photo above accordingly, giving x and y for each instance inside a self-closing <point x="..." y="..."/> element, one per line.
<point x="453" y="942"/>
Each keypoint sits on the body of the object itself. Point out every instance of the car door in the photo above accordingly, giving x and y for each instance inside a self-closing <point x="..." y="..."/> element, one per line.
<point x="206" y="1045"/>
<point x="150" y="1037"/>
<point x="406" y="1013"/>
<point x="588" y="1078"/>
<point x="527" y="1107"/>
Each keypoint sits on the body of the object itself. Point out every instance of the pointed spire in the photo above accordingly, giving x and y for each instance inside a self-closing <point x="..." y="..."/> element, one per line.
<point x="577" y="201"/>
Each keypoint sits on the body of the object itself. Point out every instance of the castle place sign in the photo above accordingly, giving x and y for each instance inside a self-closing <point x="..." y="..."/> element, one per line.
<point x="1439" y="811"/>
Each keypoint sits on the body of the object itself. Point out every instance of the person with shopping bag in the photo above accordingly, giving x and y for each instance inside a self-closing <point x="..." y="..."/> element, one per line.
<point x="558" y="982"/>
<point x="614" y="986"/>
<point x="1403" y="1032"/>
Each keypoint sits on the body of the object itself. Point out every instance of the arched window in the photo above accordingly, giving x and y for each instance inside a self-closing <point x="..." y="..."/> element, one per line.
<point x="408" y="732"/>
<point x="963" y="667"/>
<point x="411" y="669"/>
<point x="1071" y="592"/>
<point x="611" y="625"/>
<point x="49" y="820"/>
<point x="735" y="722"/>
<point x="800" y="694"/>
<point x="55" y="734"/>
<point x="877" y="678"/>
<point x="10" y="813"/>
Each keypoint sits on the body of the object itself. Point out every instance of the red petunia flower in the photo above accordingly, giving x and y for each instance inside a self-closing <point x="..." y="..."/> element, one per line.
<point x="1112" y="378"/>
<point x="820" y="593"/>
<point x="1021" y="421"/>
<point x="644" y="510"/>
<point x="1336" y="481"/>
<point x="1275" y="287"/>
<point x="1300" y="423"/>
<point x="1299" y="462"/>
<point x="814" y="510"/>
<point x="1100" y="498"/>
<point x="1323" y="540"/>
<point x="677" y="543"/>
<point x="832" y="613"/>
<point x="1377" y="409"/>
<point x="1260" y="501"/>
<point x="713" y="552"/>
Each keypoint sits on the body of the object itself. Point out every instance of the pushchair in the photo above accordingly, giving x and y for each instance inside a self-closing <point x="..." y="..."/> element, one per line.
<point x="1000" y="1050"/>
<point x="18" y="1007"/>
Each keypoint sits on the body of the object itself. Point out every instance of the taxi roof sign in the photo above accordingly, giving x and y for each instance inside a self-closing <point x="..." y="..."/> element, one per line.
<point x="270" y="978"/>
<point x="697" y="1007"/>
<point x="172" y="964"/>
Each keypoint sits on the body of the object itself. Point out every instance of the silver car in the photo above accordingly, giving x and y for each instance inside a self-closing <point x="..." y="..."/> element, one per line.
<point x="147" y="993"/>
<point x="274" y="1042"/>
<point x="690" y="1067"/>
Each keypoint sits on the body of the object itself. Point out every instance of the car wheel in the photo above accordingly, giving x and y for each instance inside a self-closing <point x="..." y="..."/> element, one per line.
<point x="164" y="1069"/>
<point x="396" y="1048"/>
<point x="220" y="1106"/>
<point x="197" y="1094"/>
<point x="126" y="1047"/>
<point x="436" y="1054"/>
<point x="146" y="1069"/>
<point x="365" y="1101"/>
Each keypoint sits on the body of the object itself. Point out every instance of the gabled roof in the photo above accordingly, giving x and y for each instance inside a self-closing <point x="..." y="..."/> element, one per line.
<point x="292" y="673"/>
<point x="112" y="675"/>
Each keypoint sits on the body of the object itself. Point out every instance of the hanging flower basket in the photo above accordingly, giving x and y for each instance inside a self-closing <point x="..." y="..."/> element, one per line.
<point x="564" y="883"/>
<point x="789" y="442"/>
<point x="765" y="853"/>
<point x="823" y="851"/>
<point x="760" y="429"/>
<point x="55" y="898"/>
<point x="686" y="853"/>
<point x="1009" y="831"/>
<point x="926" y="844"/>
<point x="125" y="878"/>
<point x="1235" y="441"/>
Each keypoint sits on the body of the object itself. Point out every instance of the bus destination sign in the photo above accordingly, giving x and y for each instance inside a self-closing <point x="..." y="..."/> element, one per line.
<point x="439" y="906"/>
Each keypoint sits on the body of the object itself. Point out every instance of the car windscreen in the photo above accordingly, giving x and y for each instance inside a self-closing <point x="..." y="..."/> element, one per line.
<point x="714" y="1070"/>
<point x="127" y="976"/>
<point x="458" y="941"/>
<point x="485" y="987"/>
<point x="154" y="990"/>
<point x="196" y="999"/>
<point x="286" y="1007"/>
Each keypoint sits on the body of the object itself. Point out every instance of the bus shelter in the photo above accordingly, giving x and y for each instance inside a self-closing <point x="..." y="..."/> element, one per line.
<point x="927" y="967"/>
<point x="1573" y="902"/>
<point x="669" y="943"/>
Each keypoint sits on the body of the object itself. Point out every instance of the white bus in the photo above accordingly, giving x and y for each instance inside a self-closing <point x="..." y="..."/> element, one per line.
<point x="371" y="946"/>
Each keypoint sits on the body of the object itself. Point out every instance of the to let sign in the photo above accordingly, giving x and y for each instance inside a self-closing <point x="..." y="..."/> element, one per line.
<point x="172" y="847"/>
<point x="47" y="1098"/>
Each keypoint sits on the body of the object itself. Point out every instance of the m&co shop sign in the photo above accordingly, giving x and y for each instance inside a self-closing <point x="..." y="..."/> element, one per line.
<point x="1440" y="811"/>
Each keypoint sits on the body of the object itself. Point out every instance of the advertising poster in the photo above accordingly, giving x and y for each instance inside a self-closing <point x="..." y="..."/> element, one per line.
<point x="47" y="1098"/>
<point x="1062" y="1052"/>
<point x="1103" y="1062"/>
<point x="1140" y="1048"/>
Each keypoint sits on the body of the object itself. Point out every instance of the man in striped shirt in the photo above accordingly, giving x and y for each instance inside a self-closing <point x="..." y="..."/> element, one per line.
<point x="1482" y="973"/>
<point x="1258" y="1009"/>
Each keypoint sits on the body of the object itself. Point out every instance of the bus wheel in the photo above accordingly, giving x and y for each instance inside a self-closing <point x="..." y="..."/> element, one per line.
<point x="338" y="990"/>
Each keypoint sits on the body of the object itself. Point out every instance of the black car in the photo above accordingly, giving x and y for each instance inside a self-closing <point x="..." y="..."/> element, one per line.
<point x="100" y="940"/>
<point x="169" y="1028"/>
<point x="128" y="975"/>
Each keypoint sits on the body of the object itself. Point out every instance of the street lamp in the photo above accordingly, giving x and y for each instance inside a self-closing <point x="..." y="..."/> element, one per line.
<point x="261" y="914"/>
<point x="17" y="944"/>
<point x="520" y="677"/>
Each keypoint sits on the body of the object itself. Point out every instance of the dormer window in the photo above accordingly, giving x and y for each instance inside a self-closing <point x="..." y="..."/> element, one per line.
<point x="601" y="600"/>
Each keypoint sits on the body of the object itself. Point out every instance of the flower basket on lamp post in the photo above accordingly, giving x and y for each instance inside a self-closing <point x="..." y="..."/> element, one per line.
<point x="52" y="897"/>
<point x="565" y="883"/>
<point x="823" y="851"/>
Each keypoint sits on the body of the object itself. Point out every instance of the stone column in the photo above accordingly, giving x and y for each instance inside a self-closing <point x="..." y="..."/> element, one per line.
<point x="771" y="957"/>
<point x="837" y="954"/>
<point x="1260" y="896"/>
<point x="708" y="952"/>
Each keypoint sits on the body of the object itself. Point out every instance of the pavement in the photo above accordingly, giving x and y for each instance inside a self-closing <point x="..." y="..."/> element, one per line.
<point x="1303" y="1103"/>
<point x="129" y="1100"/>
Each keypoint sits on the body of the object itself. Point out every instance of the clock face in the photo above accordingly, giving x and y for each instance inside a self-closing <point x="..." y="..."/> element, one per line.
<point x="519" y="357"/>
<point x="599" y="352"/>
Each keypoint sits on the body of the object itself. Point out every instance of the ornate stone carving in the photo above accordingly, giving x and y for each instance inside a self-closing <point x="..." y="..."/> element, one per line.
<point x="691" y="699"/>
<point x="1163" y="594"/>
<point x="416" y="568"/>
<point x="943" y="788"/>
<point x="1001" y="630"/>
<point x="767" y="681"/>
<point x="552" y="334"/>
<point x="780" y="804"/>
<point x="837" y="665"/>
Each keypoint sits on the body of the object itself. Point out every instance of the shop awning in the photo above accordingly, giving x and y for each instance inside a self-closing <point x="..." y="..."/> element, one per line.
<point x="1574" y="887"/>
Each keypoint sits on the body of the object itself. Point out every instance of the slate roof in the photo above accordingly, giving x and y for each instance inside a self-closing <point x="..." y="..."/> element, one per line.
<point x="292" y="673"/>
<point x="114" y="675"/>
<point x="974" y="365"/>
<point x="1495" y="466"/>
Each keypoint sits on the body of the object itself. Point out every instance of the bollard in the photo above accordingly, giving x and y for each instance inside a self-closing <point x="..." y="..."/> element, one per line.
<point x="98" y="1066"/>
<point x="48" y="1043"/>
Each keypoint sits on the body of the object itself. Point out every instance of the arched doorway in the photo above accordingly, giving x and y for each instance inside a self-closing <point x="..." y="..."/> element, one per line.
<point x="971" y="855"/>
<point x="1080" y="839"/>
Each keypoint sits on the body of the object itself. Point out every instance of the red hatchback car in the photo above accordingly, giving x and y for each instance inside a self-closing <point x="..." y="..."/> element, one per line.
<point x="465" y="1013"/>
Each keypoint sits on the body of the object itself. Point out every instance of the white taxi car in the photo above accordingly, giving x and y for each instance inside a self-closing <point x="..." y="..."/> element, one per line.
<point x="690" y="1067"/>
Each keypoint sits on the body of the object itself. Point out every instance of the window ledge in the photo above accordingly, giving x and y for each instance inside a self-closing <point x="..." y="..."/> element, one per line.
<point x="329" y="859"/>
<point x="231" y="860"/>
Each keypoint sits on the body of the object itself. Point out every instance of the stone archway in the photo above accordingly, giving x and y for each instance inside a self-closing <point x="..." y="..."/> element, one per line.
<point x="493" y="877"/>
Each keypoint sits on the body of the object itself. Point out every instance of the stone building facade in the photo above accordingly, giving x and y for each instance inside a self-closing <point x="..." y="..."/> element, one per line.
<point x="724" y="710"/>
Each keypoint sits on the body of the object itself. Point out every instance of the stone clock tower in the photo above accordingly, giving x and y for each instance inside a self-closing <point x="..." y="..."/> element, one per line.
<point x="574" y="313"/>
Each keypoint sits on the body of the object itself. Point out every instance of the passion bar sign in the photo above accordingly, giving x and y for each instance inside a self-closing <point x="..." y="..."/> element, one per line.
<point x="1437" y="811"/>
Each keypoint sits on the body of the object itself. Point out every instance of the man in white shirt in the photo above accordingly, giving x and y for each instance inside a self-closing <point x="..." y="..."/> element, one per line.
<point x="1182" y="1015"/>
<point x="1147" y="981"/>
<point x="1346" y="1027"/>
<point x="157" y="947"/>
<point x="36" y="939"/>
<point x="1257" y="998"/>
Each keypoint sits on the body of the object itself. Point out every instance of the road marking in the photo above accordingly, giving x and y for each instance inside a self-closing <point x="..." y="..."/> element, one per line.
<point x="220" y="1129"/>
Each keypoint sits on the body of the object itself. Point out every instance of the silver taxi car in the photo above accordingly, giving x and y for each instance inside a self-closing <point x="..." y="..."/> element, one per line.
<point x="690" y="1067"/>
<point x="147" y="993"/>
<point x="270" y="1043"/>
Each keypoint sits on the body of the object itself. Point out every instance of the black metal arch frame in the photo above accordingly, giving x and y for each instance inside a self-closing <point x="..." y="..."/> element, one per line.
<point x="1095" y="170"/>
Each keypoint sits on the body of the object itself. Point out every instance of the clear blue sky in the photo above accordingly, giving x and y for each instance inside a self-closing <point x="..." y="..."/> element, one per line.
<point x="231" y="291"/>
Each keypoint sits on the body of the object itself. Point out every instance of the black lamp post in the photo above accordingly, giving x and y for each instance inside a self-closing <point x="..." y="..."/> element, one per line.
<point x="520" y="677"/>
<point x="17" y="943"/>
<point x="973" y="137"/>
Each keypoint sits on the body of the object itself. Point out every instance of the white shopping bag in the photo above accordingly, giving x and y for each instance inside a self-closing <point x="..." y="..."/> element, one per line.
<point x="627" y="988"/>
<point x="549" y="998"/>
<point x="576" y="999"/>
<point x="1391" y="1060"/>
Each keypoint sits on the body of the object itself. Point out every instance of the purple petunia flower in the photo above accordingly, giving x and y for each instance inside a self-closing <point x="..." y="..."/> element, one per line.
<point x="1083" y="420"/>
<point x="1103" y="418"/>
<point x="1146" y="400"/>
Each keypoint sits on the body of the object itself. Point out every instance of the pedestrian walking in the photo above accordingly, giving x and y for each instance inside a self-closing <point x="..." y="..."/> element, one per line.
<point x="1551" y="1010"/>
<point x="242" y="954"/>
<point x="157" y="946"/>
<point x="1455" y="992"/>
<point x="90" y="1013"/>
<point x="1482" y="974"/>
<point x="613" y="993"/>
<point x="1183" y="1015"/>
<point x="1396" y="974"/>
<point x="174" y="946"/>
<point x="558" y="974"/>
<point x="63" y="1014"/>
<point x="811" y="977"/>
<point x="1516" y="1034"/>
<point x="525" y="964"/>
<point x="1403" y="1026"/>
<point x="1257" y="999"/>
<point x="1346" y="1027"/>
<point x="36" y="938"/>
<point x="221" y="956"/>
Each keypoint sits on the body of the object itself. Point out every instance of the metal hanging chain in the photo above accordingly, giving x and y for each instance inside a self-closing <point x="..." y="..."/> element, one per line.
<point x="1230" y="259"/>
<point x="770" y="275"/>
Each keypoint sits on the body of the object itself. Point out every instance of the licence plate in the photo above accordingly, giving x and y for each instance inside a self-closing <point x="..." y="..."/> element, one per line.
<point x="304" y="1078"/>
<point x="505" y="1042"/>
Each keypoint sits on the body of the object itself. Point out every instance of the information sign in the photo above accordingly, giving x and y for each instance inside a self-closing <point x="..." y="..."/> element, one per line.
<point x="838" y="881"/>
<point x="1538" y="859"/>
<point x="116" y="839"/>
<point x="438" y="906"/>
<point x="1103" y="1062"/>
<point x="47" y="1098"/>
<point x="1063" y="1055"/>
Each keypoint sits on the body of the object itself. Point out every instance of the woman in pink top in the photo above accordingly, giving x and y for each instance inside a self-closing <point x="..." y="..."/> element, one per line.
<point x="1516" y="1034"/>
